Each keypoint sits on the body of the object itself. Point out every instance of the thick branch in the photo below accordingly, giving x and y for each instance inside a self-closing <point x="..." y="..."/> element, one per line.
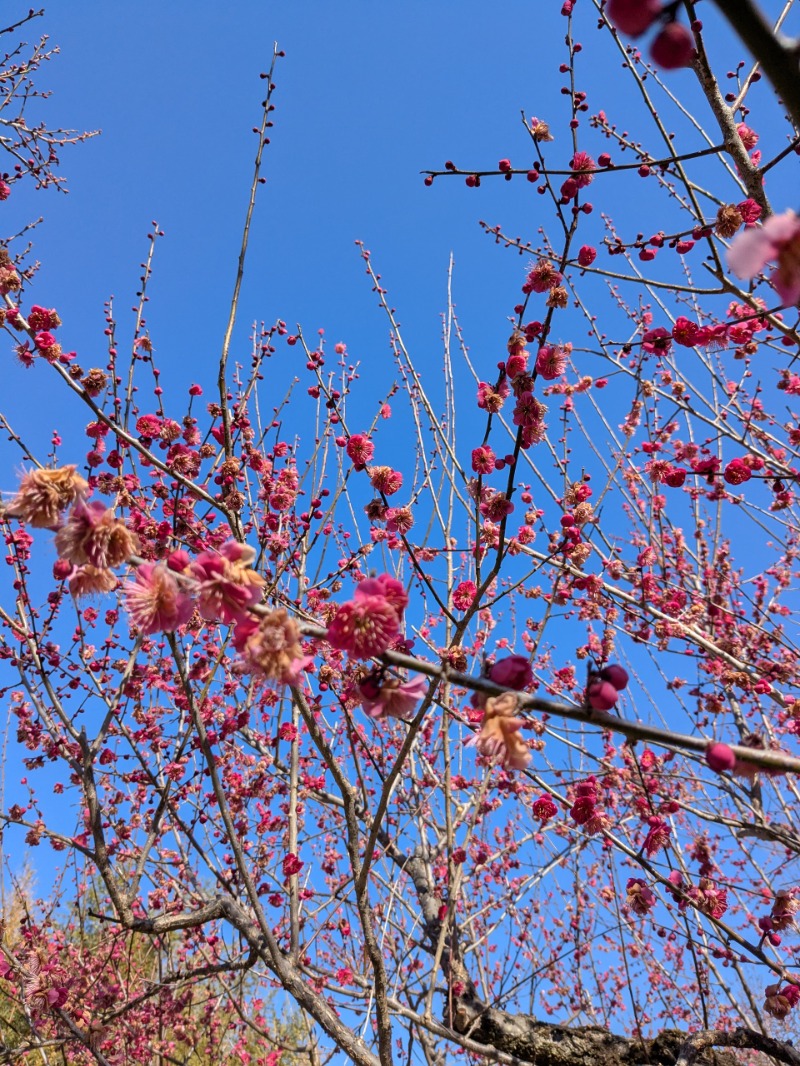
<point x="778" y="58"/>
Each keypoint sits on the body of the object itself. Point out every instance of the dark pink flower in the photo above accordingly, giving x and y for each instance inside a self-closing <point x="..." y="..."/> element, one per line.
<point x="155" y="601"/>
<point x="640" y="898"/>
<point x="544" y="808"/>
<point x="657" y="836"/>
<point x="399" y="519"/>
<point x="616" y="674"/>
<point x="582" y="166"/>
<point x="360" y="449"/>
<point x="483" y="459"/>
<point x="720" y="757"/>
<point x="778" y="239"/>
<point x="551" y="360"/>
<point x="392" y="590"/>
<point x="633" y="17"/>
<point x="512" y="672"/>
<point x="601" y="695"/>
<point x="364" y="627"/>
<point x="657" y="340"/>
<point x="737" y="472"/>
<point x="673" y="47"/>
<point x="464" y="595"/>
<point x="226" y="586"/>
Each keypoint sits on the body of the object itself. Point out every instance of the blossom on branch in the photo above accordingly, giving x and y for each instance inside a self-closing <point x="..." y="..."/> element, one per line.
<point x="155" y="601"/>
<point x="499" y="733"/>
<point x="778" y="239"/>
<point x="44" y="494"/>
<point x="364" y="627"/>
<point x="270" y="647"/>
<point x="93" y="534"/>
<point x="389" y="697"/>
<point x="226" y="586"/>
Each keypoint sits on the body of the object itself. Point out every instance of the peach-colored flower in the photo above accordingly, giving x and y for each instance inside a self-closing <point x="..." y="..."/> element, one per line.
<point x="93" y="534"/>
<point x="44" y="494"/>
<point x="778" y="239"/>
<point x="499" y="733"/>
<point x="155" y="601"/>
<point x="91" y="581"/>
<point x="226" y="586"/>
<point x="270" y="646"/>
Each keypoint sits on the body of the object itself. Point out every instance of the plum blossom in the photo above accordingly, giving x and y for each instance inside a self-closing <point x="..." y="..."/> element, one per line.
<point x="779" y="1001"/>
<point x="514" y="671"/>
<point x="155" y="601"/>
<point x="640" y="898"/>
<point x="544" y="808"/>
<point x="226" y="586"/>
<point x="364" y="627"/>
<point x="44" y="494"/>
<point x="464" y="595"/>
<point x="392" y="590"/>
<point x="390" y="697"/>
<point x="93" y="534"/>
<point x="778" y="239"/>
<point x="91" y="581"/>
<point x="360" y="449"/>
<point x="270" y="646"/>
<point x="499" y="733"/>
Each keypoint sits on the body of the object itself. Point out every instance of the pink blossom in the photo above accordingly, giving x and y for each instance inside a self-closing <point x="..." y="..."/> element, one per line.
<point x="673" y="47"/>
<point x="737" y="472"/>
<point x="778" y="239"/>
<point x="633" y="17"/>
<point x="483" y="459"/>
<point x="399" y="519"/>
<point x="641" y="898"/>
<point x="92" y="534"/>
<point x="657" y="340"/>
<point x="364" y="627"/>
<point x="154" y="600"/>
<point x="616" y="674"/>
<point x="491" y="399"/>
<point x="657" y="836"/>
<point x="551" y="361"/>
<point x="384" y="479"/>
<point x="226" y="586"/>
<point x="720" y="757"/>
<point x="44" y="494"/>
<point x="392" y="590"/>
<point x="601" y="695"/>
<point x="512" y="672"/>
<point x="360" y="449"/>
<point x="270" y="647"/>
<point x="582" y="165"/>
<point x="390" y="697"/>
<point x="464" y="594"/>
<point x="544" y="808"/>
<point x="499" y="733"/>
